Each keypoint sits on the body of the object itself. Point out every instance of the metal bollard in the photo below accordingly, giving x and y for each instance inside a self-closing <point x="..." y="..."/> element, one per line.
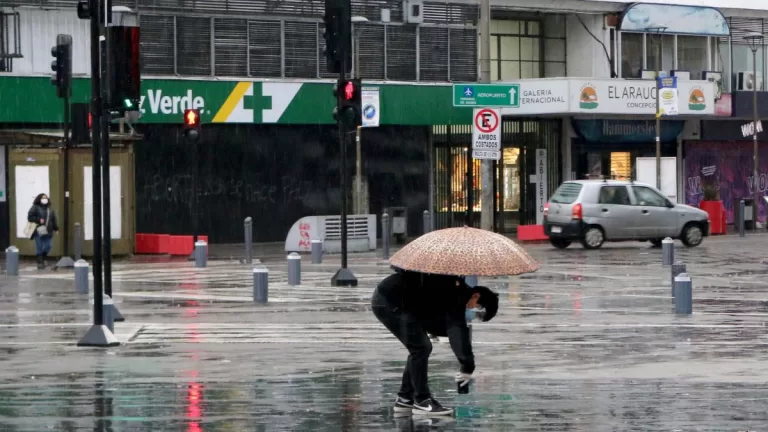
<point x="109" y="317"/>
<point x="78" y="242"/>
<point x="294" y="269"/>
<point x="683" y="294"/>
<point x="427" y="222"/>
<point x="317" y="251"/>
<point x="260" y="285"/>
<point x="471" y="281"/>
<point x="667" y="251"/>
<point x="248" y="240"/>
<point x="12" y="261"/>
<point x="201" y="254"/>
<point x="81" y="276"/>
<point x="742" y="207"/>
<point x="385" y="236"/>
<point x="677" y="269"/>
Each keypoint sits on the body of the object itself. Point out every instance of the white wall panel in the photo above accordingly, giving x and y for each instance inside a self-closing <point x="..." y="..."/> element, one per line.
<point x="38" y="35"/>
<point x="586" y="57"/>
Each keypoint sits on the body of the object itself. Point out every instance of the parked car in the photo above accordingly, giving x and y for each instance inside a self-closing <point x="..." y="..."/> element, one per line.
<point x="595" y="211"/>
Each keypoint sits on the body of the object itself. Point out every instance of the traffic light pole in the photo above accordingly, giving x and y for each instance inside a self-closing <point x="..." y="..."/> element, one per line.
<point x="98" y="335"/>
<point x="344" y="276"/>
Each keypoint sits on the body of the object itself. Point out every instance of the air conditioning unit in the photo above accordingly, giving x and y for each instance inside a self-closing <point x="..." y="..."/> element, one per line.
<point x="413" y="11"/>
<point x="745" y="81"/>
<point x="681" y="75"/>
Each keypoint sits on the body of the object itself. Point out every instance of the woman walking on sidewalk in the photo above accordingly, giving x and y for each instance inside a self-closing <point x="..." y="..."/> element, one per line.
<point x="42" y="215"/>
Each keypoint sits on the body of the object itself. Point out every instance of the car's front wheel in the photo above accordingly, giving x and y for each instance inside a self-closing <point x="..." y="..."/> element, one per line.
<point x="560" y="243"/>
<point x="692" y="235"/>
<point x="593" y="238"/>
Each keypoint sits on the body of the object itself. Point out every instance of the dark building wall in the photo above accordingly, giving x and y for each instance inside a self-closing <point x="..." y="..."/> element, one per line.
<point x="275" y="174"/>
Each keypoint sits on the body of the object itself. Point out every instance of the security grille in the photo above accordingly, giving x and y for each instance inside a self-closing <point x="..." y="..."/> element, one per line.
<point x="357" y="227"/>
<point x="231" y="46"/>
<point x="193" y="41"/>
<point x="157" y="44"/>
<point x="264" y="53"/>
<point x="401" y="53"/>
<point x="300" y="41"/>
<point x="433" y="55"/>
<point x="370" y="45"/>
<point x="463" y="54"/>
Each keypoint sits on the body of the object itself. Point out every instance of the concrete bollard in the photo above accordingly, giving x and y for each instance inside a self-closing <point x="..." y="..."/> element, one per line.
<point x="385" y="236"/>
<point x="201" y="254"/>
<point x="78" y="241"/>
<point x="109" y="317"/>
<point x="677" y="269"/>
<point x="317" y="251"/>
<point x="471" y="281"/>
<point x="742" y="207"/>
<point x="248" y="227"/>
<point x="294" y="269"/>
<point x="260" y="285"/>
<point x="426" y="221"/>
<point x="683" y="294"/>
<point x="12" y="261"/>
<point x="667" y="251"/>
<point x="81" y="276"/>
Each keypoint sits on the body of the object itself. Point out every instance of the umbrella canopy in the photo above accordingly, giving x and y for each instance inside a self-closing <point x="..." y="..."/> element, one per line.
<point x="464" y="252"/>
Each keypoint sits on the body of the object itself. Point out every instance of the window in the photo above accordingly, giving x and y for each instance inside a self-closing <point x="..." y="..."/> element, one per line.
<point x="631" y="55"/>
<point x="515" y="50"/>
<point x="667" y="52"/>
<point x="692" y="55"/>
<point x="648" y="197"/>
<point x="566" y="193"/>
<point x="617" y="195"/>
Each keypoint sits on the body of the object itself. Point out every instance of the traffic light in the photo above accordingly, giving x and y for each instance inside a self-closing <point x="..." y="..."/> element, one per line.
<point x="62" y="66"/>
<point x="81" y="123"/>
<point x="124" y="69"/>
<point x="338" y="35"/>
<point x="349" y="103"/>
<point x="192" y="124"/>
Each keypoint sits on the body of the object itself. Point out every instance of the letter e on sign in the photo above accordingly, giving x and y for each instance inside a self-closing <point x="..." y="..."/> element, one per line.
<point x="486" y="133"/>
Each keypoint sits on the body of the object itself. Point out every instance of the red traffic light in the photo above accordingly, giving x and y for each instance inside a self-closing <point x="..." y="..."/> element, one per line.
<point x="192" y="118"/>
<point x="349" y="91"/>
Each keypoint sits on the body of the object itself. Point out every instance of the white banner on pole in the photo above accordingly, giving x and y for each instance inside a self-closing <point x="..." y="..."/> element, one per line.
<point x="541" y="184"/>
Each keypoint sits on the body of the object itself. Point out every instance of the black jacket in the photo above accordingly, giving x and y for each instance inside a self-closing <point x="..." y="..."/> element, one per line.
<point x="40" y="211"/>
<point x="439" y="304"/>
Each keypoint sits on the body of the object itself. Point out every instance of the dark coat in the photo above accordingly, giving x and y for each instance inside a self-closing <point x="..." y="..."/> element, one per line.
<point x="40" y="211"/>
<point x="439" y="304"/>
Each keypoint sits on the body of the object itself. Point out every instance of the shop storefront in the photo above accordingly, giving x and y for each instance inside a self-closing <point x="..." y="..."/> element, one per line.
<point x="724" y="159"/>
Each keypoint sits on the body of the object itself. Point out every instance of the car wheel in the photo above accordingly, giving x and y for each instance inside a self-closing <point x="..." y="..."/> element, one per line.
<point x="560" y="243"/>
<point x="692" y="235"/>
<point x="593" y="238"/>
<point x="656" y="243"/>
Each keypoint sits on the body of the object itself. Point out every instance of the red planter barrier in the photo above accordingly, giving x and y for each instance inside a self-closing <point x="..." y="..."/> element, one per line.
<point x="717" y="216"/>
<point x="159" y="244"/>
<point x="531" y="233"/>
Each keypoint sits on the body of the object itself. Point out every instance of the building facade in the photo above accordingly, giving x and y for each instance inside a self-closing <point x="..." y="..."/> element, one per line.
<point x="269" y="151"/>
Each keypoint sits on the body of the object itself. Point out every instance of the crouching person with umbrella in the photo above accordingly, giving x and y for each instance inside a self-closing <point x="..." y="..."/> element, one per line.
<point x="427" y="294"/>
<point x="412" y="304"/>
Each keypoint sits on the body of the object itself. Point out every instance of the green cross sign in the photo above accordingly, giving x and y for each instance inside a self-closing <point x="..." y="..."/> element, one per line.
<point x="486" y="95"/>
<point x="258" y="103"/>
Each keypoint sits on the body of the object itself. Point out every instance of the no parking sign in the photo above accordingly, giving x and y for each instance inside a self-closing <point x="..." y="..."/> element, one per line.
<point x="486" y="133"/>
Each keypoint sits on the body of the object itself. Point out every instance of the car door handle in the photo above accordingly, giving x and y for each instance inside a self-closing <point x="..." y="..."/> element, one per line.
<point x="645" y="211"/>
<point x="605" y="210"/>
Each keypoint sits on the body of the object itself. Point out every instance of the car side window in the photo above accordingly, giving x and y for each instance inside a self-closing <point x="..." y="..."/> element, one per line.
<point x="617" y="195"/>
<point x="648" y="197"/>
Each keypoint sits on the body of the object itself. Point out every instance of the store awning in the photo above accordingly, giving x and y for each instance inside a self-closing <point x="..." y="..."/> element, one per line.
<point x="675" y="19"/>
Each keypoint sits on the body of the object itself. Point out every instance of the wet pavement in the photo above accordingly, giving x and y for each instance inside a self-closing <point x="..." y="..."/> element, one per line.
<point x="588" y="343"/>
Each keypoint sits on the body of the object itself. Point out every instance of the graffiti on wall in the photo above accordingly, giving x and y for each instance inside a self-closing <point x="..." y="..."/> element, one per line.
<point x="728" y="166"/>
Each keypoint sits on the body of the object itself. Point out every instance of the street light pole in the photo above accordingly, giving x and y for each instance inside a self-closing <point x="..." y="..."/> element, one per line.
<point x="755" y="40"/>
<point x="359" y="208"/>
<point x="658" y="31"/>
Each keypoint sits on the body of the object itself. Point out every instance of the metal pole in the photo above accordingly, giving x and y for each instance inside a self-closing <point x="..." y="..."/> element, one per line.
<point x="67" y="145"/>
<point x="96" y="112"/>
<point x="193" y="198"/>
<point x="755" y="174"/>
<point x="359" y="173"/>
<point x="741" y="218"/>
<point x="470" y="187"/>
<point x="486" y="165"/>
<point x="343" y="140"/>
<point x="658" y="117"/>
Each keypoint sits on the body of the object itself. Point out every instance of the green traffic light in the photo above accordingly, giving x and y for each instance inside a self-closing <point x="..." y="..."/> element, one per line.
<point x="127" y="103"/>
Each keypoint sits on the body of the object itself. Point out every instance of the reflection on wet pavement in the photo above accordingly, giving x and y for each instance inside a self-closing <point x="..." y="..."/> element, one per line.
<point x="589" y="343"/>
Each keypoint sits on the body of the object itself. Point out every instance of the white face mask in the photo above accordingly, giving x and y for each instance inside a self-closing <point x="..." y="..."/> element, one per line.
<point x="44" y="201"/>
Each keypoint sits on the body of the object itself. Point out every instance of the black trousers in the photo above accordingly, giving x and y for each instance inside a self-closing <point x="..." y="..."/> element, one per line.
<point x="413" y="336"/>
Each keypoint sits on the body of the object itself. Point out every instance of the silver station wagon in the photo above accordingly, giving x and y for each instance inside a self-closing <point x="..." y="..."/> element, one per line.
<point x="595" y="211"/>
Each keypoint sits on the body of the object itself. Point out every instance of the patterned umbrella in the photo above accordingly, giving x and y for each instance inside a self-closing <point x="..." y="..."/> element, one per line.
<point x="464" y="252"/>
